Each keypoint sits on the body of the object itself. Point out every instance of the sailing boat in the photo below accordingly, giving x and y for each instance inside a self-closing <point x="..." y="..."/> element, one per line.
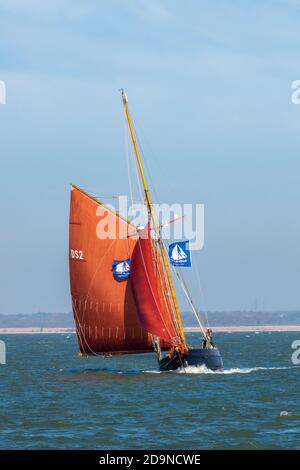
<point x="123" y="296"/>
<point x="178" y="254"/>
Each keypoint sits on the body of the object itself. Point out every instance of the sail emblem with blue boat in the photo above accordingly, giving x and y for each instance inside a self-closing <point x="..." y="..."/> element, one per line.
<point x="179" y="254"/>
<point x="121" y="269"/>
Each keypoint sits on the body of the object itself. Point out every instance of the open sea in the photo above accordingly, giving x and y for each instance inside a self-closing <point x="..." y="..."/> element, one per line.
<point x="53" y="399"/>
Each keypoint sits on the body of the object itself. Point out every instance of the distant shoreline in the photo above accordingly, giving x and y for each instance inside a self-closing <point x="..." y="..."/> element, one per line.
<point x="36" y="330"/>
<point x="218" y="329"/>
<point x="188" y="329"/>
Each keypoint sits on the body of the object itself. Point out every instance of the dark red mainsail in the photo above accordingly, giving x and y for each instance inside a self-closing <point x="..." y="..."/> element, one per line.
<point x="154" y="307"/>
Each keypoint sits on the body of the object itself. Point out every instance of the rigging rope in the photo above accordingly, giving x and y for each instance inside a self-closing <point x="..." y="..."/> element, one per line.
<point x="126" y="144"/>
<point x="195" y="267"/>
<point x="189" y="298"/>
<point x="129" y="154"/>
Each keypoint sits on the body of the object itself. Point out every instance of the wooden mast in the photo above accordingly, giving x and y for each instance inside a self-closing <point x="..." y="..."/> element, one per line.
<point x="153" y="216"/>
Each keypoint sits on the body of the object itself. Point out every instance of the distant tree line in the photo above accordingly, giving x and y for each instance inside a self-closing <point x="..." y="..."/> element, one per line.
<point x="236" y="318"/>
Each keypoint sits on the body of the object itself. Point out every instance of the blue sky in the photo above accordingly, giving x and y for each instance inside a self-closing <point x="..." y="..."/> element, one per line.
<point x="209" y="84"/>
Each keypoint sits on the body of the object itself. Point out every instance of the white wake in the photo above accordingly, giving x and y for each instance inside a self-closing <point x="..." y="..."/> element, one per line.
<point x="246" y="370"/>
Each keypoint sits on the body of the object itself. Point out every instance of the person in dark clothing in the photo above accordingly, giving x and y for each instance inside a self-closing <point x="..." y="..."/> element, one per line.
<point x="208" y="342"/>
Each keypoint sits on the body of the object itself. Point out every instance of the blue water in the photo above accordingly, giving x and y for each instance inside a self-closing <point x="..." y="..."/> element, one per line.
<point x="53" y="399"/>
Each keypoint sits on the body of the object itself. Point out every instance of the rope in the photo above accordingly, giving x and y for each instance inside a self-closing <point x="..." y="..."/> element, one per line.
<point x="165" y="291"/>
<point x="140" y="189"/>
<point x="152" y="293"/>
<point x="195" y="267"/>
<point x="142" y="194"/>
<point x="126" y="144"/>
<point x="189" y="298"/>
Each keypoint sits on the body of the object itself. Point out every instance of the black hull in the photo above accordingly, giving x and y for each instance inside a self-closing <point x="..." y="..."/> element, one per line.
<point x="210" y="358"/>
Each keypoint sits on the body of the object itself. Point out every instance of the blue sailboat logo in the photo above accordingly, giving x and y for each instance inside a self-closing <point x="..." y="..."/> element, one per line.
<point x="121" y="269"/>
<point x="179" y="254"/>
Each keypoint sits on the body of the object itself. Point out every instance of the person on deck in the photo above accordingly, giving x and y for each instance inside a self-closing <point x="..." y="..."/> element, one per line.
<point x="208" y="339"/>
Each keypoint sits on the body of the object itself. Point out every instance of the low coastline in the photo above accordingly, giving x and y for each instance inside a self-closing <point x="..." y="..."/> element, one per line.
<point x="190" y="329"/>
<point x="232" y="329"/>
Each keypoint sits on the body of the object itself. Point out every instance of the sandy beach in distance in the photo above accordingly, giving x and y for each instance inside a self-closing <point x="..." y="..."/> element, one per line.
<point x="190" y="329"/>
<point x="36" y="330"/>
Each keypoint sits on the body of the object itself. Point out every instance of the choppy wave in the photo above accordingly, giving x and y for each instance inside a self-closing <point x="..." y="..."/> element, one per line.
<point x="78" y="403"/>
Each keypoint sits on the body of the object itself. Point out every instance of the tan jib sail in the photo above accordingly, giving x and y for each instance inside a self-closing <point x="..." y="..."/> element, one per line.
<point x="104" y="308"/>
